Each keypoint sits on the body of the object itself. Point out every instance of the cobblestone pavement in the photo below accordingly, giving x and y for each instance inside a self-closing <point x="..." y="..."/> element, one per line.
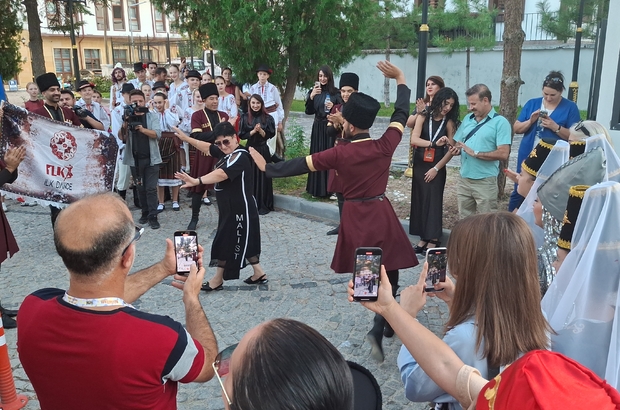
<point x="296" y="256"/>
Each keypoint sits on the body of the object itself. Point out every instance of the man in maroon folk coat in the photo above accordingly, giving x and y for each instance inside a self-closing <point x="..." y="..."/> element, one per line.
<point x="363" y="165"/>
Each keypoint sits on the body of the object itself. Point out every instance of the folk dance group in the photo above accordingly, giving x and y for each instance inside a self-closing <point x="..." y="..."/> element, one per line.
<point x="496" y="315"/>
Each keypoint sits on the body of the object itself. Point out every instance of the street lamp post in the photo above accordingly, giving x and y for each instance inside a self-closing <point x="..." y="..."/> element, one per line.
<point x="420" y="87"/>
<point x="573" y="89"/>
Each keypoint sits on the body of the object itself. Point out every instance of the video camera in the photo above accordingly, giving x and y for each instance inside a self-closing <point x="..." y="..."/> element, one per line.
<point x="80" y="112"/>
<point x="131" y="117"/>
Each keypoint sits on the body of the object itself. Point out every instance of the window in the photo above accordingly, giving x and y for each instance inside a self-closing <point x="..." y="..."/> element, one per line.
<point x="118" y="17"/>
<point x="615" y="113"/>
<point x="173" y="19"/>
<point x="101" y="14"/>
<point x="62" y="61"/>
<point x="120" y="56"/>
<point x="134" y="15"/>
<point x="160" y="21"/>
<point x="92" y="61"/>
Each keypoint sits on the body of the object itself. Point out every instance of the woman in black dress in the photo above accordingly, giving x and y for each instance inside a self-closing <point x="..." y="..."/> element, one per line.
<point x="429" y="136"/>
<point x="257" y="126"/>
<point x="320" y="100"/>
<point x="237" y="241"/>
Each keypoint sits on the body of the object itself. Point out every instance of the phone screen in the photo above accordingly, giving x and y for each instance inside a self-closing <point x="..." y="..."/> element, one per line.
<point x="186" y="250"/>
<point x="437" y="265"/>
<point x="367" y="273"/>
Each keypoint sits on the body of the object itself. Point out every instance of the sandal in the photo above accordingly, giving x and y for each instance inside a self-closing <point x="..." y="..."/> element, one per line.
<point x="421" y="249"/>
<point x="258" y="281"/>
<point x="435" y="243"/>
<point x="207" y="288"/>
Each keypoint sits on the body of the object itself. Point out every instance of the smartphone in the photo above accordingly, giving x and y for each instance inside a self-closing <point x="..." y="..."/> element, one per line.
<point x="186" y="250"/>
<point x="437" y="266"/>
<point x="366" y="274"/>
<point x="317" y="84"/>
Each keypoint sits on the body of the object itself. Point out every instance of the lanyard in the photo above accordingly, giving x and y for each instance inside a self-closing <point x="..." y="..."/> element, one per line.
<point x="98" y="302"/>
<point x="430" y="128"/>
<point x="62" y="113"/>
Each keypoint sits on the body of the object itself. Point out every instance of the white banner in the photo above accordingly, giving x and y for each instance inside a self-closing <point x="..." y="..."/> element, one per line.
<point x="63" y="162"/>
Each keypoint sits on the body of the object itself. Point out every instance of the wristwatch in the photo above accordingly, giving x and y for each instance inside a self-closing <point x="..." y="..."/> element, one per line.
<point x="476" y="154"/>
<point x="558" y="130"/>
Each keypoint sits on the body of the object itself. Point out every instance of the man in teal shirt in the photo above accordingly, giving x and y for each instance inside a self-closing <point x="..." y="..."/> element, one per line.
<point x="483" y="139"/>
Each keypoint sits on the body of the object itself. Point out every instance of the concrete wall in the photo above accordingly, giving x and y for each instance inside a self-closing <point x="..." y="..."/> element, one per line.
<point x="486" y="67"/>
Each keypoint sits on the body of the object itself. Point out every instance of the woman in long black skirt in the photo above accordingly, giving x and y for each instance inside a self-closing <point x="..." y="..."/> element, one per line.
<point x="430" y="136"/>
<point x="257" y="127"/>
<point x="320" y="100"/>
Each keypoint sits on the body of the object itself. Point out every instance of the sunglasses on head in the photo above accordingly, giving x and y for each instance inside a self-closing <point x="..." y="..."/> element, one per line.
<point x="225" y="143"/>
<point x="582" y="127"/>
<point x="221" y="366"/>
<point x="553" y="80"/>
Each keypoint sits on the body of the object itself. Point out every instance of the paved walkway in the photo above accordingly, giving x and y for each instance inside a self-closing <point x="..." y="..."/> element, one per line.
<point x="296" y="255"/>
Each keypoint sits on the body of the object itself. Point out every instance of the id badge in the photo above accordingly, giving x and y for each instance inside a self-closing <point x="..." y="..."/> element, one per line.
<point x="429" y="154"/>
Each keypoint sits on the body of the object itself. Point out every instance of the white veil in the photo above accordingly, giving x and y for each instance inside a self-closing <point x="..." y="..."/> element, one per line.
<point x="581" y="303"/>
<point x="559" y="155"/>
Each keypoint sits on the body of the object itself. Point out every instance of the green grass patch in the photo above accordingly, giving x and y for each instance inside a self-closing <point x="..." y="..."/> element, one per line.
<point x="290" y="185"/>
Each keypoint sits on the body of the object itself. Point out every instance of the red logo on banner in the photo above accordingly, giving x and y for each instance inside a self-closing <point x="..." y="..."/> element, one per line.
<point x="63" y="145"/>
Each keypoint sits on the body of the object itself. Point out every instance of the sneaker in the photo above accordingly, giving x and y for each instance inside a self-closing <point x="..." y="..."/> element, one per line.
<point x="333" y="197"/>
<point x="4" y="208"/>
<point x="143" y="219"/>
<point x="28" y="203"/>
<point x="153" y="223"/>
<point x="175" y="206"/>
<point x="160" y="208"/>
<point x="206" y="201"/>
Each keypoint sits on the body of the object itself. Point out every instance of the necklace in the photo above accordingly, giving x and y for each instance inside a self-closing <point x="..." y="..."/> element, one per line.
<point x="97" y="302"/>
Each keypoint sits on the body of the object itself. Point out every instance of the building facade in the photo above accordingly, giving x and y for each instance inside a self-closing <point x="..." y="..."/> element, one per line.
<point x="124" y="32"/>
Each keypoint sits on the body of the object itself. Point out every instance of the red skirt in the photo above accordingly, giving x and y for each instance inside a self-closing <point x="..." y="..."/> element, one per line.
<point x="203" y="164"/>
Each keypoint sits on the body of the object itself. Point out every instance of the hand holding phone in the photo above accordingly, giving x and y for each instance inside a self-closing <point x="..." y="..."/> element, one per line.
<point x="366" y="274"/>
<point x="437" y="265"/>
<point x="186" y="250"/>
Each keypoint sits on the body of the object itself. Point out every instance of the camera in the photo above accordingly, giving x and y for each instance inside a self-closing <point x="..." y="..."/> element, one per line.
<point x="80" y="112"/>
<point x="131" y="117"/>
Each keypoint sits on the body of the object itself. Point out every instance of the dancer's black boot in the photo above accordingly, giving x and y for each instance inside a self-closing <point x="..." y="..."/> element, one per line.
<point x="340" y="205"/>
<point x="196" y="201"/>
<point x="375" y="337"/>
<point x="393" y="276"/>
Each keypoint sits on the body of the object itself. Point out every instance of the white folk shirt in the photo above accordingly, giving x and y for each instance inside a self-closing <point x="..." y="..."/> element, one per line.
<point x="270" y="96"/>
<point x="97" y="110"/>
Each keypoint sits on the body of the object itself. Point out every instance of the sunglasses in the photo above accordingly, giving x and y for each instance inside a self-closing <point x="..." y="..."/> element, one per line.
<point x="582" y="127"/>
<point x="139" y="232"/>
<point x="221" y="366"/>
<point x="554" y="80"/>
<point x="225" y="142"/>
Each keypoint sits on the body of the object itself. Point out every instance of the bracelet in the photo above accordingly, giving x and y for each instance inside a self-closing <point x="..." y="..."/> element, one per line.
<point x="200" y="181"/>
<point x="435" y="168"/>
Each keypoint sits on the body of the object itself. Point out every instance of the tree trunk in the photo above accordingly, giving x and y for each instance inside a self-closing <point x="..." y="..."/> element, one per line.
<point x="467" y="64"/>
<point x="511" y="73"/>
<point x="386" y="81"/>
<point x="36" y="42"/>
<point x="292" y="76"/>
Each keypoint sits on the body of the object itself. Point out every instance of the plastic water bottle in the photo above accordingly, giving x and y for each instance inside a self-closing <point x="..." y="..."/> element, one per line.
<point x="327" y="100"/>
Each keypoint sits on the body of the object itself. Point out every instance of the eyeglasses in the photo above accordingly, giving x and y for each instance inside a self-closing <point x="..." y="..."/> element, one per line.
<point x="225" y="143"/>
<point x="221" y="366"/>
<point x="582" y="127"/>
<point x="139" y="232"/>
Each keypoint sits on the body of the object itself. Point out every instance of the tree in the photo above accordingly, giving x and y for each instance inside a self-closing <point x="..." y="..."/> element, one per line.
<point x="34" y="38"/>
<point x="294" y="37"/>
<point x="10" y="31"/>
<point x="392" y="29"/>
<point x="469" y="25"/>
<point x="511" y="72"/>
<point x="563" y="22"/>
